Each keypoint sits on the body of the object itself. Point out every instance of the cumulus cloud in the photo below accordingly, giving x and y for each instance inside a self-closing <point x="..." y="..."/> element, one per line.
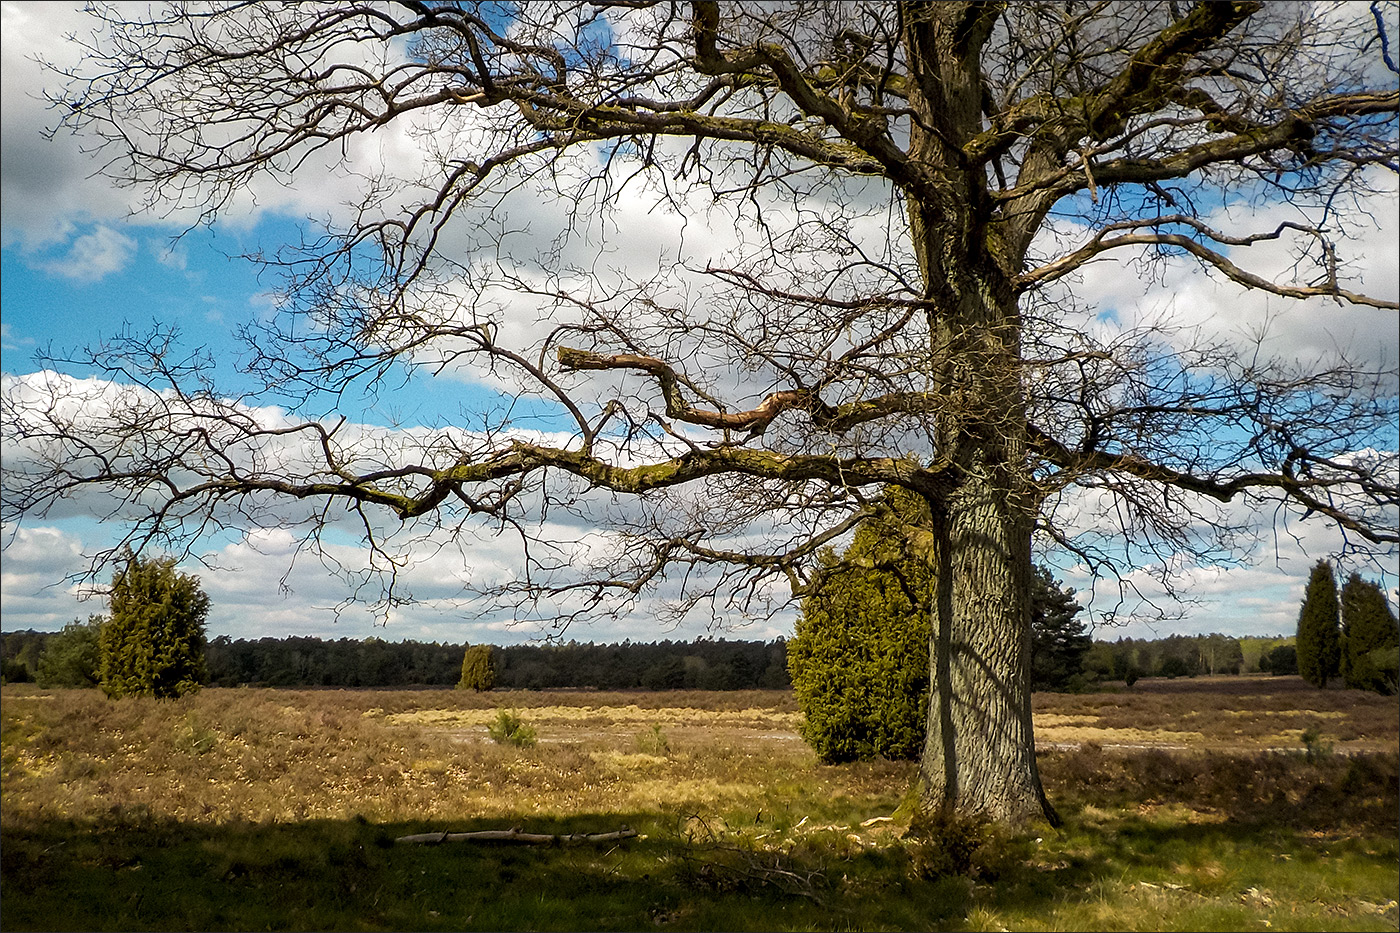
<point x="45" y="186"/>
<point x="1123" y="290"/>
<point x="54" y="202"/>
<point x="265" y="585"/>
<point x="36" y="575"/>
<point x="1255" y="589"/>
<point x="310" y="561"/>
<point x="265" y="582"/>
<point x="11" y="342"/>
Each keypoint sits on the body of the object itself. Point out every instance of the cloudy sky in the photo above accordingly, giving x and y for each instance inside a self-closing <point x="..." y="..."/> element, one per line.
<point x="78" y="263"/>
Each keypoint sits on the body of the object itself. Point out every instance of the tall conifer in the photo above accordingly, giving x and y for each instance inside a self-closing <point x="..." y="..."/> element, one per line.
<point x="1319" y="649"/>
<point x="1371" y="638"/>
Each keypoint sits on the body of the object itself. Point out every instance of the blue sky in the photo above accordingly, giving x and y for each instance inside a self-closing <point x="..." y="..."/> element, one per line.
<point x="75" y="267"/>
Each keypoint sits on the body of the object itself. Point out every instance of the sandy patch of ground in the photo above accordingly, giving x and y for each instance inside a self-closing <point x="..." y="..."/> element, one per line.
<point x="1055" y="730"/>
<point x="609" y="724"/>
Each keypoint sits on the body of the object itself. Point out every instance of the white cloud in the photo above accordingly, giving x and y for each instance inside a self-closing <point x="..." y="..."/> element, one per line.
<point x="262" y="587"/>
<point x="442" y="565"/>
<point x="444" y="561"/>
<point x="45" y="184"/>
<point x="50" y="189"/>
<point x="94" y="255"/>
<point x="1257" y="591"/>
<point x="35" y="588"/>
<point x="1203" y="305"/>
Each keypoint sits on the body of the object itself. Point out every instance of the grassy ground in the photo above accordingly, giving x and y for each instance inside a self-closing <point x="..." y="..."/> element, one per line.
<point x="243" y="809"/>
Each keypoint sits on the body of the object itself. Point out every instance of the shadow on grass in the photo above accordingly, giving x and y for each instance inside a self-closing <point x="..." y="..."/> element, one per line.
<point x="141" y="874"/>
<point x="1225" y="827"/>
<point x="1154" y="841"/>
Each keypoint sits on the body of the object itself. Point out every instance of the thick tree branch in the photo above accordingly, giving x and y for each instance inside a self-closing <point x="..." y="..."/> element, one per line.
<point x="755" y="420"/>
<point x="1104" y="241"/>
<point x="1302" y="490"/>
<point x="1291" y="131"/>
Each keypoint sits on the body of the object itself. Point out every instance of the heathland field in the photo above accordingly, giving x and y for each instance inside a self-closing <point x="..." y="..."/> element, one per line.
<point x="1194" y="804"/>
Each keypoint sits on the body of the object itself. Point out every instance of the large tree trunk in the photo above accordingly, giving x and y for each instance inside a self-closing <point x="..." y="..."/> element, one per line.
<point x="979" y="756"/>
<point x="979" y="753"/>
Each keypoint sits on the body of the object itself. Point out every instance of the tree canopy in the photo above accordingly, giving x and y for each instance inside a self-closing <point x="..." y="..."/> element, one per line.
<point x="73" y="657"/>
<point x="899" y="204"/>
<point x="1059" y="640"/>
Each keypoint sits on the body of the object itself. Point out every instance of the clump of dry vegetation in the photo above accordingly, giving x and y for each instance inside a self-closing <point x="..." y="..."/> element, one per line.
<point x="1334" y="793"/>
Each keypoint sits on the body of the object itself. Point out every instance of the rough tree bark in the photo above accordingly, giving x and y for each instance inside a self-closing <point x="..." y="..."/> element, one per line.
<point x="979" y="756"/>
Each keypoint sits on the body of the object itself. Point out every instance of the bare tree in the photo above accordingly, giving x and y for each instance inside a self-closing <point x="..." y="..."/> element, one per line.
<point x="912" y="188"/>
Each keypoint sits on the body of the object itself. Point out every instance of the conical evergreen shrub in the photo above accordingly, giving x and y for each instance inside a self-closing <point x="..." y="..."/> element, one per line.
<point x="478" y="669"/>
<point x="1319" y="649"/>
<point x="1371" y="639"/>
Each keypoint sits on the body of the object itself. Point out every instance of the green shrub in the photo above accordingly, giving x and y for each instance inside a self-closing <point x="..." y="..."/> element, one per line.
<point x="1314" y="745"/>
<point x="859" y="655"/>
<point x="1280" y="660"/>
<point x="14" y="671"/>
<point x="942" y="843"/>
<point x="153" y="644"/>
<point x="1386" y="663"/>
<point x="195" y="737"/>
<point x="73" y="656"/>
<point x="510" y="729"/>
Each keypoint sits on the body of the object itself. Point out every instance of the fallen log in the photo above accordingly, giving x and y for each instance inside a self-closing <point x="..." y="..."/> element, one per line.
<point x="518" y="837"/>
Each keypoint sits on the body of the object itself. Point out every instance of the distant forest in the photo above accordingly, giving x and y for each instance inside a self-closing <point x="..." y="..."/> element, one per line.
<point x="703" y="664"/>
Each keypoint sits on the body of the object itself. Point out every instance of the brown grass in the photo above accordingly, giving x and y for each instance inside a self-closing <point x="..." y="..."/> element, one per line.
<point x="277" y="789"/>
<point x="393" y="755"/>
<point x="1250" y="712"/>
<point x="291" y="755"/>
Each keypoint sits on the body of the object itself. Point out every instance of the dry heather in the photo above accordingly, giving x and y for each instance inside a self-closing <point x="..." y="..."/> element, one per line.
<point x="291" y="755"/>
<point x="280" y="755"/>
<point x="1245" y="713"/>
<point x="251" y="809"/>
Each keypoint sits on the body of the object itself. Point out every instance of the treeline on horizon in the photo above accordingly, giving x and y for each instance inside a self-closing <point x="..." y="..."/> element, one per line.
<point x="702" y="664"/>
<point x="304" y="661"/>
